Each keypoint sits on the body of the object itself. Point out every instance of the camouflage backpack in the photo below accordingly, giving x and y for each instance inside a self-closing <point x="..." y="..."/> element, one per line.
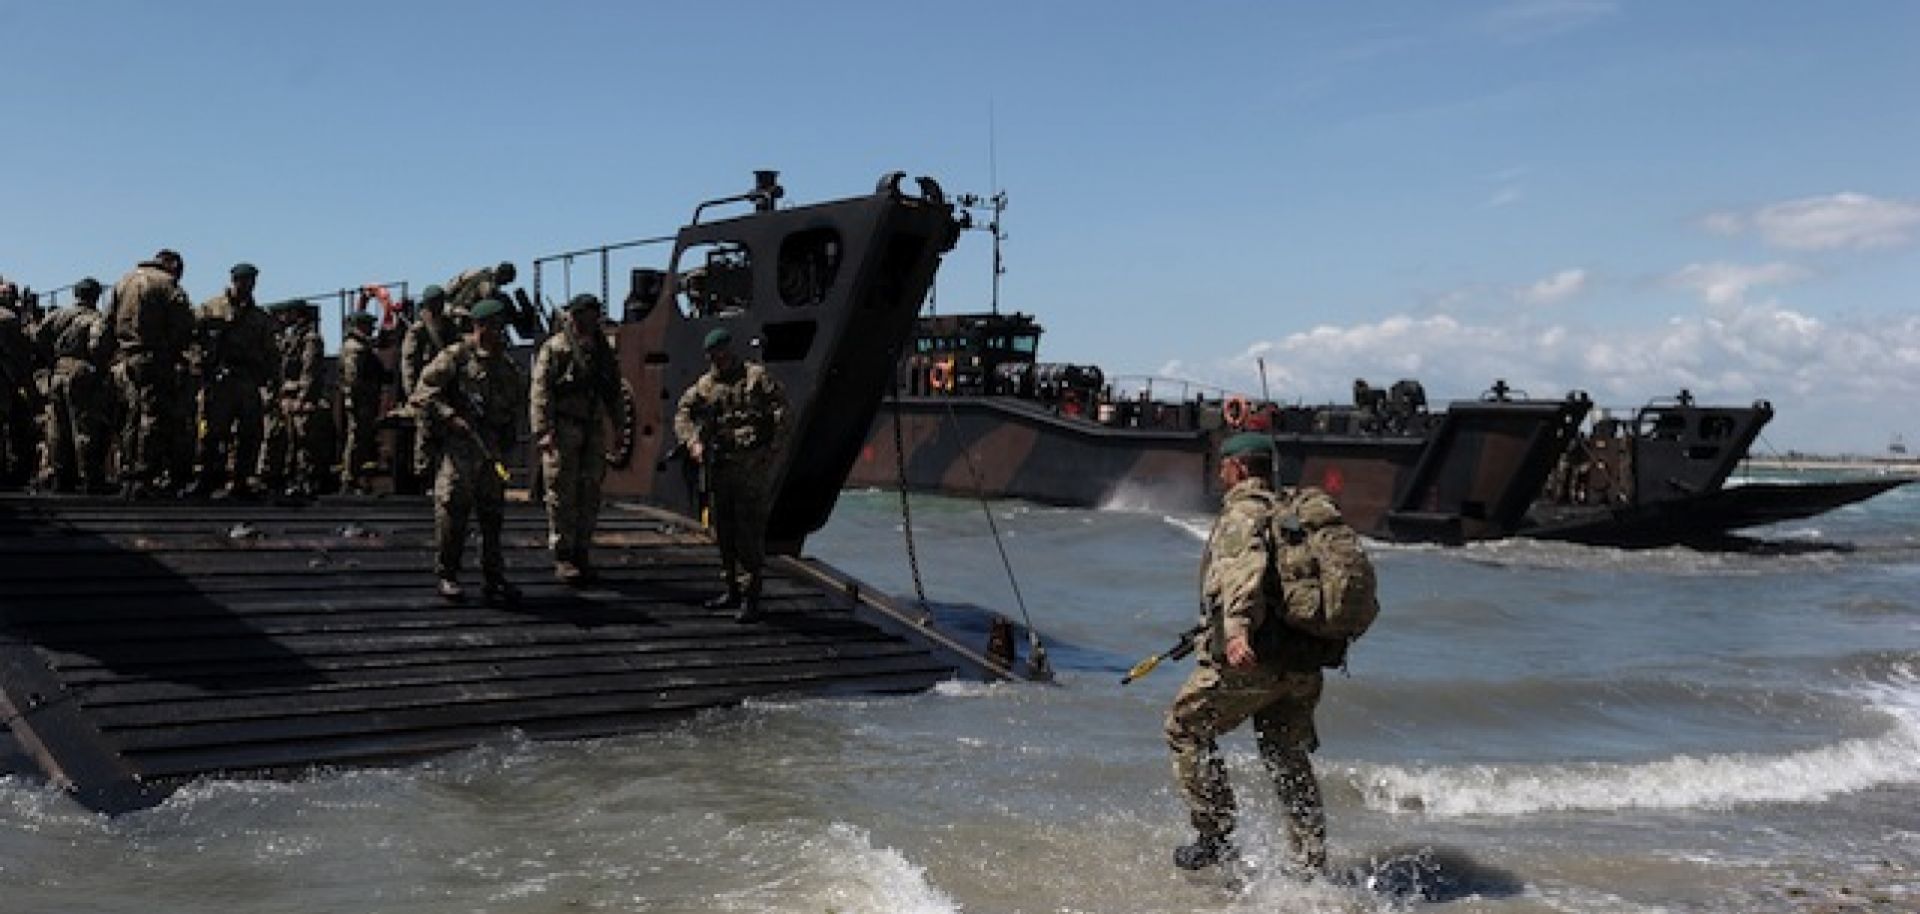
<point x="1320" y="578"/>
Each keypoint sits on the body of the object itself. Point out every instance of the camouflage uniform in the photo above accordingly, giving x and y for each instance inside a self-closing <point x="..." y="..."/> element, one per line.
<point x="79" y="400"/>
<point x="430" y="333"/>
<point x="475" y="285"/>
<point x="488" y="391"/>
<point x="153" y="325"/>
<point x="290" y="457"/>
<point x="18" y="399"/>
<point x="740" y="416"/>
<point x="574" y="389"/>
<point x="1217" y="697"/>
<point x="361" y="379"/>
<point x="237" y="341"/>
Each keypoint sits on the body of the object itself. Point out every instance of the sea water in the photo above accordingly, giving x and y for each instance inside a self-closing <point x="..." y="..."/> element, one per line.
<point x="1531" y="727"/>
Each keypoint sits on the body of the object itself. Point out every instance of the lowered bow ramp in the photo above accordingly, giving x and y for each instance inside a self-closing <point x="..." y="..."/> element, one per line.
<point x="139" y="649"/>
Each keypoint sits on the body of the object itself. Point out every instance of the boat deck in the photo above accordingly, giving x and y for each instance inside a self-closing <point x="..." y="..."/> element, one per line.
<point x="145" y="644"/>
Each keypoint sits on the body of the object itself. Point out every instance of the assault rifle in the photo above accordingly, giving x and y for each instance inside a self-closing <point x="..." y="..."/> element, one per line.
<point x="1189" y="639"/>
<point x="475" y="410"/>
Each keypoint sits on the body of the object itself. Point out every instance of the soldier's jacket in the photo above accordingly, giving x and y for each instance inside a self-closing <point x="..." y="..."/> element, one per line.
<point x="424" y="340"/>
<point x="361" y="373"/>
<point x="571" y="381"/>
<point x="246" y="346"/>
<point x="151" y="314"/>
<point x="471" y="286"/>
<point x="302" y="350"/>
<point x="16" y="353"/>
<point x="79" y="333"/>
<point x="487" y="390"/>
<point x="1234" y="566"/>
<point x="739" y="411"/>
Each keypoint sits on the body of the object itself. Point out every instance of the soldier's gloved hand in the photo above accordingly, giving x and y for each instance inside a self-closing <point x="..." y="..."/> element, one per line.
<point x="694" y="450"/>
<point x="1239" y="653"/>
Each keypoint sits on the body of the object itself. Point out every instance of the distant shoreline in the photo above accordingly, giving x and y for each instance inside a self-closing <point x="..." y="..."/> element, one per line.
<point x="1895" y="466"/>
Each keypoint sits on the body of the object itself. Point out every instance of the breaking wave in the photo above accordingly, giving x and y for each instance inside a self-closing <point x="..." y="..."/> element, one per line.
<point x="1714" y="781"/>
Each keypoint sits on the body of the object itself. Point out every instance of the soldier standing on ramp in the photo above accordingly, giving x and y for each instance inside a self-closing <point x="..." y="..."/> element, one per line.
<point x="288" y="458"/>
<point x="361" y="379"/>
<point x="576" y="385"/>
<point x="431" y="332"/>
<point x="733" y="420"/>
<point x="469" y="399"/>
<point x="1231" y="684"/>
<point x="236" y="339"/>
<point x="79" y="401"/>
<point x="153" y="325"/>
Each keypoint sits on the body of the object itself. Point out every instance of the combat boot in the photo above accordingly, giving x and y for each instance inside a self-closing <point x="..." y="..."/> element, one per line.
<point x="727" y="600"/>
<point x="500" y="590"/>
<point x="750" y="607"/>
<point x="568" y="573"/>
<point x="449" y="589"/>
<point x="1206" y="850"/>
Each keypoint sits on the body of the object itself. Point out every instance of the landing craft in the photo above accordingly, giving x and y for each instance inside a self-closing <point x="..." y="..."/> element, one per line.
<point x="974" y="412"/>
<point x="144" y="644"/>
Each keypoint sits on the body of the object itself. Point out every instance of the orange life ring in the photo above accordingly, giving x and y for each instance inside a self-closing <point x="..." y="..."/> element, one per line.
<point x="389" y="309"/>
<point x="1235" y="411"/>
<point x="940" y="376"/>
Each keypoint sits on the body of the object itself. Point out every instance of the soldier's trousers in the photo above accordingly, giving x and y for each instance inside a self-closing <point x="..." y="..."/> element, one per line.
<point x="1213" y="702"/>
<point x="741" y="502"/>
<point x="362" y="447"/>
<point x="79" y="429"/>
<point x="235" y="415"/>
<point x="18" y="436"/>
<point x="573" y="471"/>
<point x="159" y="416"/>
<point x="467" y="485"/>
<point x="287" y="453"/>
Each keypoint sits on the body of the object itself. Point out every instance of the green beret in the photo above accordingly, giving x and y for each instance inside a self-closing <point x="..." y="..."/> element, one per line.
<point x="283" y="306"/>
<point x="243" y="270"/>
<point x="432" y="294"/>
<point x="87" y="286"/>
<point x="488" y="309"/>
<point x="718" y="336"/>
<point x="360" y="317"/>
<point x="584" y="301"/>
<point x="1247" y="444"/>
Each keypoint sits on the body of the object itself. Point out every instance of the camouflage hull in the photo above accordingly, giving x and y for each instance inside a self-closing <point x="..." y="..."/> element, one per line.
<point x="1469" y="473"/>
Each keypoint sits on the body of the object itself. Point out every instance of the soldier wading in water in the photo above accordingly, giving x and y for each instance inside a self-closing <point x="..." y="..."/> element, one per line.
<point x="1231" y="682"/>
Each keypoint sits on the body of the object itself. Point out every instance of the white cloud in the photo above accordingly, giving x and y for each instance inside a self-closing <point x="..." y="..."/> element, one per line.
<point x="1554" y="289"/>
<point x="1532" y="20"/>
<point x="1728" y="283"/>
<point x="1835" y="221"/>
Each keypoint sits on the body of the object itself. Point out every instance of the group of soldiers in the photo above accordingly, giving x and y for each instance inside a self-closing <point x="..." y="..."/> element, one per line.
<point x="152" y="397"/>
<point x="144" y="394"/>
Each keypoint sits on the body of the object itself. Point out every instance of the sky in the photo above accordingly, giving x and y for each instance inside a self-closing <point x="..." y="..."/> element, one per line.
<point x="1622" y="197"/>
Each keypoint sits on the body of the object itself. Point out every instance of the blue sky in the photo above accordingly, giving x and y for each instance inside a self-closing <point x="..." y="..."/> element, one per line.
<point x="1617" y="196"/>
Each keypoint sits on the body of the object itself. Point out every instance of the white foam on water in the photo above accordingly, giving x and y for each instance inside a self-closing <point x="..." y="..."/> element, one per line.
<point x="842" y="871"/>
<point x="1193" y="525"/>
<point x="1681" y="782"/>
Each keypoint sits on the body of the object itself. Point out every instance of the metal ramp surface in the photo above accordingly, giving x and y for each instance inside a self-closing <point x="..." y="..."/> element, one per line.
<point x="143" y="644"/>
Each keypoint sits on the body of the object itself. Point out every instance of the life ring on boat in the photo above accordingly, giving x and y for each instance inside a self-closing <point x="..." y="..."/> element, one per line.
<point x="1234" y="411"/>
<point x="940" y="376"/>
<point x="389" y="309"/>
